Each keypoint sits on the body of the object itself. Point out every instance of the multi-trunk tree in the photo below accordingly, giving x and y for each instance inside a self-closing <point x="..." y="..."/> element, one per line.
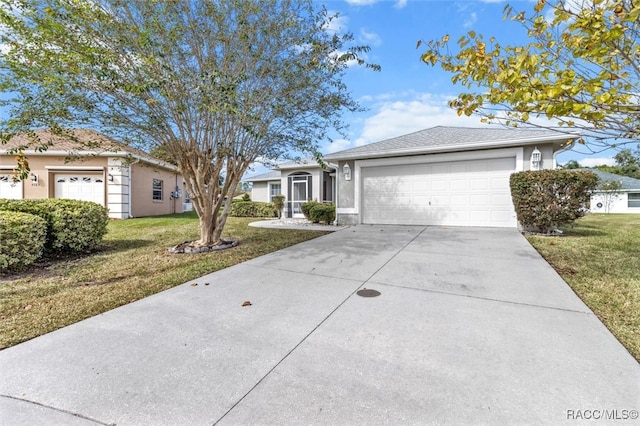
<point x="213" y="84"/>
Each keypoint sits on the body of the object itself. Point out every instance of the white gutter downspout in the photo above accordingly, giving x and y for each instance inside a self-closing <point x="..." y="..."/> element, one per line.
<point x="560" y="151"/>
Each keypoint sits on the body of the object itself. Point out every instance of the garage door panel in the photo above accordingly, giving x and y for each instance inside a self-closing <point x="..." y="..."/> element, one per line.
<point x="479" y="200"/>
<point x="80" y="186"/>
<point x="479" y="183"/>
<point x="9" y="188"/>
<point x="463" y="193"/>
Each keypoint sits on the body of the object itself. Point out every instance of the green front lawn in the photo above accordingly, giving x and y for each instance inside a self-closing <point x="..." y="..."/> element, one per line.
<point x="599" y="257"/>
<point x="133" y="263"/>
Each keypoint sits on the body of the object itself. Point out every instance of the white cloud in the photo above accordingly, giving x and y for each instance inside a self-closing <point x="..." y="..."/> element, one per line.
<point x="370" y="38"/>
<point x="396" y="114"/>
<point x="597" y="161"/>
<point x="400" y="117"/>
<point x="361" y="2"/>
<point x="337" y="24"/>
<point x="472" y="19"/>
<point x="337" y="145"/>
<point x="400" y="4"/>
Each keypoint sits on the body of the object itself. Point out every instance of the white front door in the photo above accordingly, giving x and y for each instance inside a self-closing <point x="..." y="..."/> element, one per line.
<point x="80" y="186"/>
<point x="10" y="189"/>
<point x="299" y="196"/>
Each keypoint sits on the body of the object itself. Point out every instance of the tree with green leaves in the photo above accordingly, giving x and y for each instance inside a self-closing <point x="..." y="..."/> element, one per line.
<point x="611" y="191"/>
<point x="571" y="164"/>
<point x="581" y="70"/>
<point x="212" y="84"/>
<point x="627" y="164"/>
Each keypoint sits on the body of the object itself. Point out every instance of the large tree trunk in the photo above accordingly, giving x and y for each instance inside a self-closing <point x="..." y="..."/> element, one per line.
<point x="209" y="230"/>
<point x="212" y="206"/>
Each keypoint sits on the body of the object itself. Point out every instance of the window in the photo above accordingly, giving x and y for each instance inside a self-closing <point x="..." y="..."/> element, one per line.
<point x="274" y="189"/>
<point x="633" y="199"/>
<point x="157" y="190"/>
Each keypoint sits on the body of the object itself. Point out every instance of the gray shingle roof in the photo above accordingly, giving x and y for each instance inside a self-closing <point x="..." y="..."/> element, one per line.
<point x="86" y="141"/>
<point x="628" y="183"/>
<point x="443" y="139"/>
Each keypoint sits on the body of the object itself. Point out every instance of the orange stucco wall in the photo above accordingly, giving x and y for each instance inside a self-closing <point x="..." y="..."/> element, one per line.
<point x="142" y="201"/>
<point x="45" y="167"/>
<point x="142" y="175"/>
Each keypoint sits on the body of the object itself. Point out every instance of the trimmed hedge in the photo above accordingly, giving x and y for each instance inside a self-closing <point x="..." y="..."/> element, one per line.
<point x="546" y="199"/>
<point x="322" y="213"/>
<point x="306" y="208"/>
<point x="73" y="226"/>
<point x="23" y="236"/>
<point x="252" y="209"/>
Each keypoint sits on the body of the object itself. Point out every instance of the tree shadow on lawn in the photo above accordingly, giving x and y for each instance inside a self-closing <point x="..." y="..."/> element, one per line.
<point x="582" y="230"/>
<point x="121" y="245"/>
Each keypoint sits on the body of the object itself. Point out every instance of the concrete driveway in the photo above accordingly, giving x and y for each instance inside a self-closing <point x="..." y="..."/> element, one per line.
<point x="472" y="326"/>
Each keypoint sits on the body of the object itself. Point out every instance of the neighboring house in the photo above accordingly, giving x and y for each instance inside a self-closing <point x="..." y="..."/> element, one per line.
<point x="299" y="182"/>
<point x="441" y="176"/>
<point x="127" y="181"/>
<point x="625" y="200"/>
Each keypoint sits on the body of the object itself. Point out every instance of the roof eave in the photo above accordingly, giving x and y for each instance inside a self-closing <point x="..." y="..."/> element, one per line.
<point x="454" y="148"/>
<point x="50" y="153"/>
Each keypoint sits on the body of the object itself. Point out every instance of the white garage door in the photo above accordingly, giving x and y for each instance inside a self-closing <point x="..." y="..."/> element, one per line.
<point x="85" y="187"/>
<point x="457" y="193"/>
<point x="9" y="188"/>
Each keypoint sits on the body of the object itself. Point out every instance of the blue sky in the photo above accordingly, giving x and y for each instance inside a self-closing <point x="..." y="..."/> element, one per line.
<point x="408" y="95"/>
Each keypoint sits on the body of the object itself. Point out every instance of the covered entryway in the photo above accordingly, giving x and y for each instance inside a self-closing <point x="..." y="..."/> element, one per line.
<point x="9" y="188"/>
<point x="299" y="186"/>
<point x="80" y="186"/>
<point x="456" y="193"/>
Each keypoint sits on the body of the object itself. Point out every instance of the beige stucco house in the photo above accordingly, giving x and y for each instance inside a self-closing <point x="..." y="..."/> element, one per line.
<point x="127" y="181"/>
<point x="441" y="176"/>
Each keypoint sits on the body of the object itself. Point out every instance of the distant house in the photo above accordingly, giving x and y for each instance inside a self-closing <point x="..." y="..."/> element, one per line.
<point x="625" y="200"/>
<point x="127" y="181"/>
<point x="299" y="182"/>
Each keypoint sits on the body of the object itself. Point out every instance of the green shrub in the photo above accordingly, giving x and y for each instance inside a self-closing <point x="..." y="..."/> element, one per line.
<point x="252" y="209"/>
<point x="23" y="236"/>
<point x="278" y="204"/>
<point x="322" y="213"/>
<point x="306" y="208"/>
<point x="73" y="226"/>
<point x="246" y="197"/>
<point x="546" y="199"/>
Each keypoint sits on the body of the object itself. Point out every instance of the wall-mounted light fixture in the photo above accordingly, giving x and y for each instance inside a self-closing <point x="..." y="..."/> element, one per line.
<point x="110" y="177"/>
<point x="536" y="159"/>
<point x="34" y="179"/>
<point x="346" y="170"/>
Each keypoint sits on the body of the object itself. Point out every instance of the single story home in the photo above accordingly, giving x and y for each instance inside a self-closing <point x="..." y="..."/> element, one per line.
<point x="456" y="176"/>
<point x="624" y="200"/>
<point x="299" y="182"/>
<point x="441" y="176"/>
<point x="127" y="181"/>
